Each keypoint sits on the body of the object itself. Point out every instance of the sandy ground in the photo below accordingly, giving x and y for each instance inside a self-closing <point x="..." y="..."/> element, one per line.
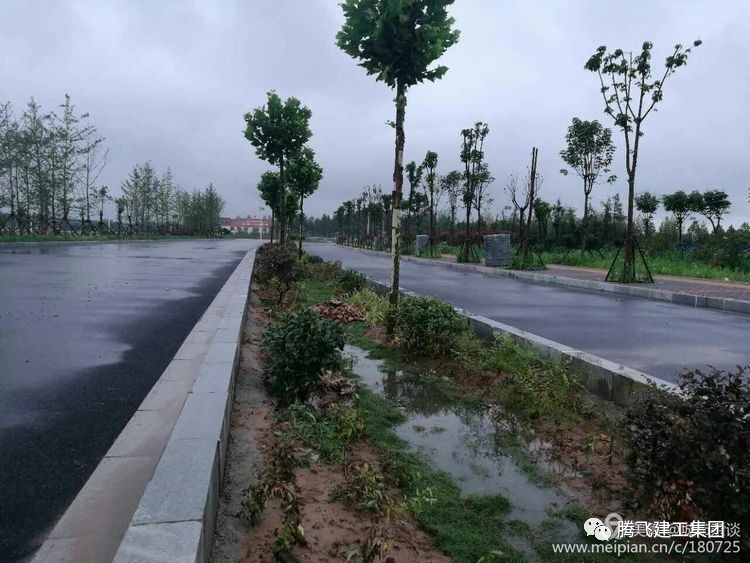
<point x="332" y="528"/>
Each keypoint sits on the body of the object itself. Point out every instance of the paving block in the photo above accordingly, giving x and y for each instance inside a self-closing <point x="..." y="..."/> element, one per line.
<point x="683" y="299"/>
<point x="145" y="434"/>
<point x="167" y="394"/>
<point x="183" y="484"/>
<point x="214" y="378"/>
<point x="736" y="306"/>
<point x="226" y="335"/>
<point x="178" y="542"/>
<point x="221" y="353"/>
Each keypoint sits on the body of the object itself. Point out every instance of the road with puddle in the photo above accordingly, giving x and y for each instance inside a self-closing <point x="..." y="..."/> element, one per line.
<point x="85" y="331"/>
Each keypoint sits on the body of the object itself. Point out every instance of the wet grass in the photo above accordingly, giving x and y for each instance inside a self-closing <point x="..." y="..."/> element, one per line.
<point x="468" y="528"/>
<point x="313" y="291"/>
<point x="674" y="263"/>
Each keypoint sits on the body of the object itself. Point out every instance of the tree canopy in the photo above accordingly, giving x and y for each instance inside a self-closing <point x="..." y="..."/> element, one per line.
<point x="398" y="40"/>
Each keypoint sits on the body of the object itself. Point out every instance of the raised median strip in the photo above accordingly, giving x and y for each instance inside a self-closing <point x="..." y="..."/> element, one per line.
<point x="680" y="298"/>
<point x="153" y="496"/>
<point x="604" y="378"/>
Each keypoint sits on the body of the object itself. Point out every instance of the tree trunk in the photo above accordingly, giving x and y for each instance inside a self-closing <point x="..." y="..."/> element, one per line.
<point x="453" y="223"/>
<point x="398" y="182"/>
<point x="585" y="225"/>
<point x="282" y="204"/>
<point x="273" y="225"/>
<point x="301" y="224"/>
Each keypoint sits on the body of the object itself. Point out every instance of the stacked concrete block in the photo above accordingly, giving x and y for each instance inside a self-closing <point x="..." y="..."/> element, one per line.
<point x="496" y="250"/>
<point x="421" y="245"/>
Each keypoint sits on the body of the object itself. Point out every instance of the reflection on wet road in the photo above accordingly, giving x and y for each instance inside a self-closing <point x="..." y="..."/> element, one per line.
<point x="85" y="330"/>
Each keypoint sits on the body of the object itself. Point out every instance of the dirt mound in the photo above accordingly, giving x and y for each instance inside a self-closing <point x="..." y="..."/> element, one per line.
<point x="336" y="310"/>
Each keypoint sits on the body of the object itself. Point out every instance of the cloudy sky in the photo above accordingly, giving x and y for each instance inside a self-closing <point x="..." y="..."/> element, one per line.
<point x="169" y="81"/>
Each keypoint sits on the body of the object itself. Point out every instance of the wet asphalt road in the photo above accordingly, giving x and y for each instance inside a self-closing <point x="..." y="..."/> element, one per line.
<point x="85" y="331"/>
<point x="657" y="338"/>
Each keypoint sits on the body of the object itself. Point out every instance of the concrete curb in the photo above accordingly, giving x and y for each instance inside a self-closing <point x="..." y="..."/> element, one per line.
<point x="719" y="303"/>
<point x="176" y="515"/>
<point x="154" y="495"/>
<point x="609" y="380"/>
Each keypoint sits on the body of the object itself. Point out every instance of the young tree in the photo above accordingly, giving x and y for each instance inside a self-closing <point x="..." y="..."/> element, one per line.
<point x="432" y="187"/>
<point x="304" y="176"/>
<point x="681" y="205"/>
<point x="518" y="197"/>
<point x="647" y="203"/>
<point x="542" y="211"/>
<point x="414" y="176"/>
<point x="558" y="215"/>
<point x="589" y="153"/>
<point x="630" y="95"/>
<point x="715" y="206"/>
<point x="451" y="184"/>
<point x="472" y="157"/>
<point x="278" y="130"/>
<point x="270" y="188"/>
<point x="484" y="180"/>
<point x="397" y="41"/>
<point x="533" y="185"/>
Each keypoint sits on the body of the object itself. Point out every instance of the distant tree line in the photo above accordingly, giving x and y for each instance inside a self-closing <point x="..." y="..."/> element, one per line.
<point x="50" y="165"/>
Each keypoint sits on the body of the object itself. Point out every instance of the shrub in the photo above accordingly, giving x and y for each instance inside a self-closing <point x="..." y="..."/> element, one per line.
<point x="278" y="268"/>
<point x="690" y="454"/>
<point x="327" y="272"/>
<point x="374" y="306"/>
<point x="427" y="325"/>
<point x="299" y="349"/>
<point x="350" y="281"/>
<point x="537" y="385"/>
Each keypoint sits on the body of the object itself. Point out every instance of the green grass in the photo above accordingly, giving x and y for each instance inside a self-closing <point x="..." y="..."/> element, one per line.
<point x="467" y="528"/>
<point x="667" y="264"/>
<point x="313" y="291"/>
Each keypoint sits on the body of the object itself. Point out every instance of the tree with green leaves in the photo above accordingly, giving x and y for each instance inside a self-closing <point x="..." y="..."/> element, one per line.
<point x="398" y="41"/>
<point x="715" y="206"/>
<point x="414" y="177"/>
<point x="647" y="204"/>
<point x="451" y="185"/>
<point x="484" y="180"/>
<point x="432" y="189"/>
<point x="589" y="153"/>
<point x="270" y="188"/>
<point x="472" y="157"/>
<point x="278" y="130"/>
<point x="542" y="211"/>
<point x="630" y="95"/>
<point x="682" y="205"/>
<point x="304" y="176"/>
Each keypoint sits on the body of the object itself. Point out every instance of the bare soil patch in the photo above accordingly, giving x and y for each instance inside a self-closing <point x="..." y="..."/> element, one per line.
<point x="332" y="528"/>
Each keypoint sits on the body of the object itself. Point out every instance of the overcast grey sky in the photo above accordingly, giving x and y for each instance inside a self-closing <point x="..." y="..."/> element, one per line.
<point x="169" y="81"/>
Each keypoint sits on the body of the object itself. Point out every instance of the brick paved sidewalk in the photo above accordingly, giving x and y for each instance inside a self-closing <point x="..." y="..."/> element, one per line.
<point x="693" y="286"/>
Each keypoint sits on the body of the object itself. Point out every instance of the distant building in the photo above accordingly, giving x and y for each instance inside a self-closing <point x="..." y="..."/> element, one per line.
<point x="249" y="225"/>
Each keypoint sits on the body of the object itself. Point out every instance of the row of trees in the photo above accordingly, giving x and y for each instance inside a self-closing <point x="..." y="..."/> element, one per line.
<point x="279" y="132"/>
<point x="399" y="41"/>
<point x="50" y="165"/>
<point x="153" y="203"/>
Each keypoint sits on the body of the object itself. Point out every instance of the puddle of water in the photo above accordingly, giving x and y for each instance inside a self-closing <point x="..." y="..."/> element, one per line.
<point x="469" y="444"/>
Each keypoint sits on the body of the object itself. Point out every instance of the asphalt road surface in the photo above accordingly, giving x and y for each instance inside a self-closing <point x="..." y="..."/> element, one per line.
<point x="85" y="331"/>
<point x="657" y="338"/>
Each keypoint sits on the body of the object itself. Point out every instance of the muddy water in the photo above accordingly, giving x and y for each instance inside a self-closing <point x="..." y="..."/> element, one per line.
<point x="472" y="445"/>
